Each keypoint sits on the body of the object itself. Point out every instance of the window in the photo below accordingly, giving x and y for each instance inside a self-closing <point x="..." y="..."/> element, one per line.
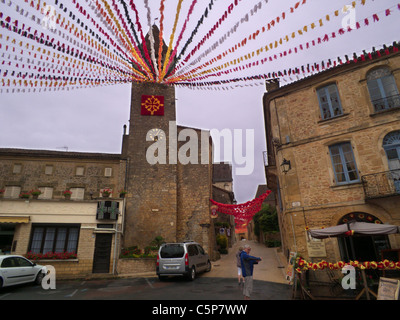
<point x="383" y="90"/>
<point x="48" y="170"/>
<point x="108" y="172"/>
<point x="77" y="193"/>
<point x="391" y="144"/>
<point x="54" y="238"/>
<point x="329" y="102"/>
<point x="79" y="171"/>
<point x="344" y="165"/>
<point x="192" y="250"/>
<point x="107" y="210"/>
<point x="47" y="193"/>
<point x="17" y="168"/>
<point x="12" y="192"/>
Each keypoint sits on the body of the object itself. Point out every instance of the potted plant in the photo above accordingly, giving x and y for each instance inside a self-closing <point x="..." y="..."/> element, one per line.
<point x="35" y="193"/>
<point x="1" y="193"/>
<point x="24" y="195"/>
<point x="122" y="193"/>
<point x="106" y="193"/>
<point x="67" y="194"/>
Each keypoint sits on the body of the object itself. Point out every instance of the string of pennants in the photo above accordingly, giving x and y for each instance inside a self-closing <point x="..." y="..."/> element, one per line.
<point x="98" y="42"/>
<point x="243" y="213"/>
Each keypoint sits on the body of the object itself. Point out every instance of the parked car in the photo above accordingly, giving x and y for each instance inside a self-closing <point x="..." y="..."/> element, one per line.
<point x="182" y="259"/>
<point x="18" y="270"/>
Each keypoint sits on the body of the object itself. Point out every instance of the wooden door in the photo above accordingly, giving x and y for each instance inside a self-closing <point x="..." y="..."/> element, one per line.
<point x="102" y="253"/>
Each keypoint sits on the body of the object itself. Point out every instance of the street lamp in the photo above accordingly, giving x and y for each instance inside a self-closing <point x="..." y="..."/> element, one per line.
<point x="286" y="166"/>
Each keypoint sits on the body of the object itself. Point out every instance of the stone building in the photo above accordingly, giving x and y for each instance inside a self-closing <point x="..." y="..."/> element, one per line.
<point x="333" y="142"/>
<point x="86" y="224"/>
<point x="222" y="192"/>
<point x="169" y="175"/>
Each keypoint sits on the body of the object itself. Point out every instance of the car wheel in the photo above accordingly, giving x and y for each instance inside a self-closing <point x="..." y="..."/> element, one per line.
<point x="208" y="269"/>
<point x="192" y="274"/>
<point x="39" y="278"/>
<point x="161" y="278"/>
<point x="1" y="283"/>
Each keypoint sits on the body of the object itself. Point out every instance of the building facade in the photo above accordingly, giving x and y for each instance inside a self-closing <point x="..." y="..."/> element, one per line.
<point x="85" y="224"/>
<point x="333" y="142"/>
<point x="169" y="176"/>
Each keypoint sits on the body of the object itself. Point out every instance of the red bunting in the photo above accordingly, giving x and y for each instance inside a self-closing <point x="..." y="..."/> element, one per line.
<point x="244" y="212"/>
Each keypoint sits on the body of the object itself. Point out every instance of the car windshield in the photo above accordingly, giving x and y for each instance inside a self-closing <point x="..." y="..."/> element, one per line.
<point x="172" y="251"/>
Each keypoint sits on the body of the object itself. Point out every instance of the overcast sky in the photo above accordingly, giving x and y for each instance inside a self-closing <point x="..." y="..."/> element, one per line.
<point x="92" y="119"/>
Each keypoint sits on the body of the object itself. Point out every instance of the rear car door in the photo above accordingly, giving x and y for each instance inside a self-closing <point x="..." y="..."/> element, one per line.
<point x="202" y="258"/>
<point x="193" y="253"/>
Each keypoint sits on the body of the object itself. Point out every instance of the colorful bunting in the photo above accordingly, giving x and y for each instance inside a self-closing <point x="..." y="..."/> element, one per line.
<point x="82" y="43"/>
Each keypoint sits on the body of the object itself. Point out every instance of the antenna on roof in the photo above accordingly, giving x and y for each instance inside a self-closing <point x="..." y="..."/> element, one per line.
<point x="65" y="147"/>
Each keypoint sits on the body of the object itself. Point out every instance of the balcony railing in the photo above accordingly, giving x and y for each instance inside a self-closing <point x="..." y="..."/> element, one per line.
<point x="387" y="103"/>
<point x="382" y="184"/>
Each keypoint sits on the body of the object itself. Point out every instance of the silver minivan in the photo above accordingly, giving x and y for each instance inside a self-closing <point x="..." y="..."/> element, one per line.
<point x="182" y="259"/>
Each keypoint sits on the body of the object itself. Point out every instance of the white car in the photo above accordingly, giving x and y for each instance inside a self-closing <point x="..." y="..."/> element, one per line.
<point x="18" y="270"/>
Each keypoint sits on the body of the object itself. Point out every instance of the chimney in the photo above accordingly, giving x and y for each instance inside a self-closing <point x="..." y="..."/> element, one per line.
<point x="125" y="143"/>
<point x="272" y="84"/>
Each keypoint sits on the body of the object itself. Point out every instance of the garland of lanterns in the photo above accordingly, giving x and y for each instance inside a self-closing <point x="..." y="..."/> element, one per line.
<point x="304" y="265"/>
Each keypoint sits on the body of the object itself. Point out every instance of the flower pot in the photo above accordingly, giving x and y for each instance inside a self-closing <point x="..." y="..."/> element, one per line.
<point x="67" y="196"/>
<point x="105" y="195"/>
<point x="122" y="195"/>
<point x="35" y="196"/>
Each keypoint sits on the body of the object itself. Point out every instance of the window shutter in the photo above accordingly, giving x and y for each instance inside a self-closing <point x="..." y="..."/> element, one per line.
<point x="47" y="193"/>
<point x="101" y="208"/>
<point x="12" y="192"/>
<point x="113" y="210"/>
<point x="77" y="193"/>
<point x="108" y="172"/>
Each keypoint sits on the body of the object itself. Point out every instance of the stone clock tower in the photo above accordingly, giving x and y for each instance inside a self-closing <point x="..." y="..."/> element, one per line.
<point x="165" y="198"/>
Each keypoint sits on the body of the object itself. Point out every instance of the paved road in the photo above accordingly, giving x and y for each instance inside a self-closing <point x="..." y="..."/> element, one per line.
<point x="219" y="284"/>
<point x="270" y="269"/>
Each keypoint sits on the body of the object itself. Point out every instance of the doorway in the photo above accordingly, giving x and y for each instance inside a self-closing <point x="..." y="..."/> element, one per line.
<point x="366" y="248"/>
<point x="7" y="231"/>
<point x="102" y="253"/>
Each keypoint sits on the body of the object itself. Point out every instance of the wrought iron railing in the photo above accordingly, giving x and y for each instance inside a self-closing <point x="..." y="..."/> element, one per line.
<point x="387" y="103"/>
<point x="381" y="184"/>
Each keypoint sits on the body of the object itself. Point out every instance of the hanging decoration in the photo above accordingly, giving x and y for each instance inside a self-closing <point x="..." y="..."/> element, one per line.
<point x="273" y="45"/>
<point x="178" y="10"/>
<point x="80" y="43"/>
<point x="304" y="265"/>
<point x="244" y="212"/>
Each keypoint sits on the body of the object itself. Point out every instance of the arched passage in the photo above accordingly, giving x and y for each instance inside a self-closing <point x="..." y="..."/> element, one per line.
<point x="366" y="248"/>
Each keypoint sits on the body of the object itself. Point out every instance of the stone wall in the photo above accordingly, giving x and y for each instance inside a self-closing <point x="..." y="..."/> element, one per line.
<point x="167" y="198"/>
<point x="63" y="175"/>
<point x="151" y="205"/>
<point x="135" y="266"/>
